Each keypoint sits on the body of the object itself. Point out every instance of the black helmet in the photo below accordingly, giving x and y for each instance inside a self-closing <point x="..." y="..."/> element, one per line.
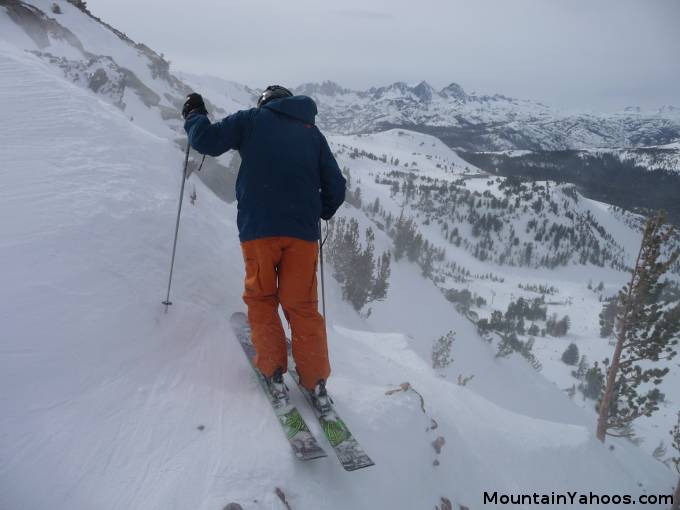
<point x="273" y="92"/>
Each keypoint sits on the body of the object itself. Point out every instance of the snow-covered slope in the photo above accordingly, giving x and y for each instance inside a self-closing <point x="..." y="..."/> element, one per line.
<point x="231" y="96"/>
<point x="642" y="180"/>
<point x="96" y="56"/>
<point x="661" y="157"/>
<point x="653" y="158"/>
<point x="492" y="241"/>
<point x="111" y="404"/>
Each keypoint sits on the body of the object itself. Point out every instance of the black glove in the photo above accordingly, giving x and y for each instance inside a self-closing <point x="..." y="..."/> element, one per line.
<point x="193" y="104"/>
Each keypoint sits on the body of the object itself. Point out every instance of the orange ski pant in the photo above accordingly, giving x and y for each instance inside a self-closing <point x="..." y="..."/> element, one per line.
<point x="283" y="270"/>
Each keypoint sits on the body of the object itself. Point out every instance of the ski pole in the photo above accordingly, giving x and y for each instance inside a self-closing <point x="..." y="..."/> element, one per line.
<point x="167" y="301"/>
<point x="323" y="288"/>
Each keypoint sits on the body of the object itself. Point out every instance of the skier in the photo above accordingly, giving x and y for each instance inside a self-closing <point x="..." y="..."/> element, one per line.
<point x="287" y="181"/>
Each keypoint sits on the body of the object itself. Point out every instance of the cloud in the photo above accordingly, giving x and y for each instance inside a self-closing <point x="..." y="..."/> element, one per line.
<point x="576" y="54"/>
<point x="366" y="14"/>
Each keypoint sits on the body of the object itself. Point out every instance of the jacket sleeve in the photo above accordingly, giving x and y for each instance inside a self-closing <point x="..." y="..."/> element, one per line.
<point x="332" y="182"/>
<point x="218" y="138"/>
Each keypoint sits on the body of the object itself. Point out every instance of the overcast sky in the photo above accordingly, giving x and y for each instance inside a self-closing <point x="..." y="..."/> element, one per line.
<point x="574" y="54"/>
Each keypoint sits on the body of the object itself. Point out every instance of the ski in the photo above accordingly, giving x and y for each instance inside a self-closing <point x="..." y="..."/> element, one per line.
<point x="350" y="453"/>
<point x="303" y="443"/>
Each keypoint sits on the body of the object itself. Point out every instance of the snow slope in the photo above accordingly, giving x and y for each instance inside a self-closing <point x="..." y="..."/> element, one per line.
<point x="111" y="404"/>
<point x="371" y="159"/>
<point x="97" y="57"/>
<point x="660" y="157"/>
<point x="231" y="96"/>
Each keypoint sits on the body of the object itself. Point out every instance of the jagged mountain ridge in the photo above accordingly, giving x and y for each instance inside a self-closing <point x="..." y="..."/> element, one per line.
<point x="482" y="122"/>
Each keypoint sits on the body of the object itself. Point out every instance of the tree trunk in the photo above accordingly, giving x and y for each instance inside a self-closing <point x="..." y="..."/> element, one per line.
<point x="603" y="416"/>
<point x="676" y="497"/>
<point x="605" y="405"/>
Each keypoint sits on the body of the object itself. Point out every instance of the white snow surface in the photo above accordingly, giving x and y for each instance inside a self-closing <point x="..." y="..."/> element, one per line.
<point x="229" y="95"/>
<point x="424" y="158"/>
<point x="90" y="39"/>
<point x="104" y="395"/>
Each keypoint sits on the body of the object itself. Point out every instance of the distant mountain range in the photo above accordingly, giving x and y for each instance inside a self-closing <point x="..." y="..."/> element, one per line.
<point x="486" y="123"/>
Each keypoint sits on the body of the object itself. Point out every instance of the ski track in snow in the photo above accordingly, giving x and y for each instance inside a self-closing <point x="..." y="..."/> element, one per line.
<point x="103" y="393"/>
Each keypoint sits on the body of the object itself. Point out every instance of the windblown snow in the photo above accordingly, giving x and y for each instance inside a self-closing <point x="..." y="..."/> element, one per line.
<point x="110" y="403"/>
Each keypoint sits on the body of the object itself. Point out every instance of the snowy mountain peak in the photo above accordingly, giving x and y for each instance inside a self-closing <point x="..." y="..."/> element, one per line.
<point x="424" y="91"/>
<point x="669" y="109"/>
<point x="396" y="89"/>
<point x="454" y="91"/>
<point x="325" y="88"/>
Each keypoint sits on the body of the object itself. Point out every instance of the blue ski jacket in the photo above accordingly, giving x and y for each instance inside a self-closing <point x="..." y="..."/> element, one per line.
<point x="288" y="177"/>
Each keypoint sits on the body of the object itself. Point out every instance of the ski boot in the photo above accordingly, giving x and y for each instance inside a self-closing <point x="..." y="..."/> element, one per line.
<point x="277" y="388"/>
<point x="320" y="399"/>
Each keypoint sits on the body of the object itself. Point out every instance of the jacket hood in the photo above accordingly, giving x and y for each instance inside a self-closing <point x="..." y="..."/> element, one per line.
<point x="299" y="107"/>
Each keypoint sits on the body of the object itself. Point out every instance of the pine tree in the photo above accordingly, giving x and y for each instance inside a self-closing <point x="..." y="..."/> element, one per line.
<point x="80" y="4"/>
<point x="570" y="355"/>
<point x="401" y="237"/>
<point x="520" y="327"/>
<point x="427" y="262"/>
<point x="359" y="279"/>
<point x="362" y="278"/>
<point x="580" y="371"/>
<point x="646" y="332"/>
<point x="414" y="247"/>
<point x="551" y="325"/>
<point x="607" y="318"/>
<point x="344" y="247"/>
<point x="376" y="206"/>
<point x="508" y="344"/>
<point x="675" y="434"/>
<point x="382" y="278"/>
<point x="441" y="351"/>
<point x="593" y="381"/>
<point x="561" y="327"/>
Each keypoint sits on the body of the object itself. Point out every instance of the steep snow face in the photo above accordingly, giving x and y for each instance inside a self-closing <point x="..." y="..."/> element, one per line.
<point x="229" y="95"/>
<point x="475" y="122"/>
<point x="113" y="404"/>
<point x="96" y="56"/>
<point x="402" y="147"/>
